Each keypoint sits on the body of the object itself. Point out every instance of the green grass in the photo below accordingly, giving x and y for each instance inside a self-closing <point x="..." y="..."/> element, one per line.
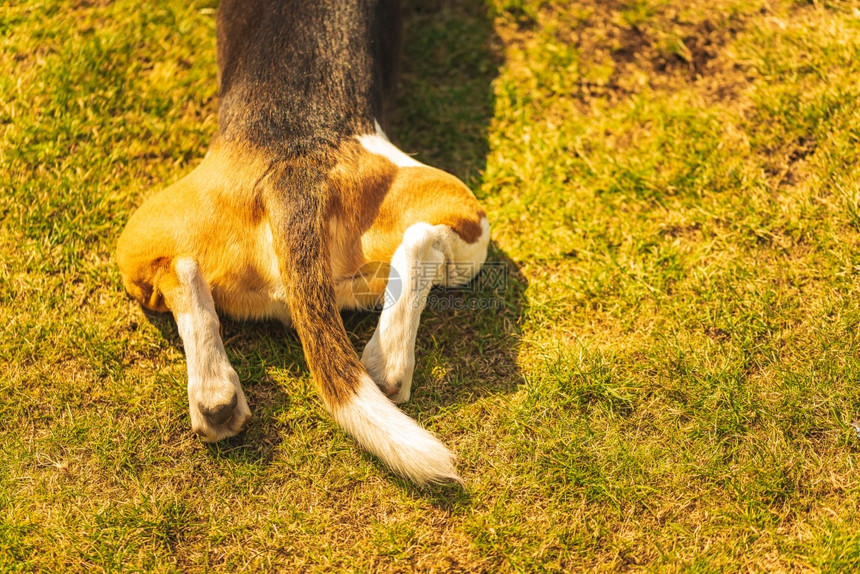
<point x="673" y="188"/>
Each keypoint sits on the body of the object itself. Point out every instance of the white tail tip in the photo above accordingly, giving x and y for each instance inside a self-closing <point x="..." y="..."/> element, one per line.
<point x="384" y="430"/>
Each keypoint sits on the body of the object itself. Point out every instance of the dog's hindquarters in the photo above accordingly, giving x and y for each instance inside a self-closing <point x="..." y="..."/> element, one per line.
<point x="299" y="80"/>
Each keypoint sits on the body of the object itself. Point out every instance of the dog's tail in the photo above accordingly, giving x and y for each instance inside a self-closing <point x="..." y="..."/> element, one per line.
<point x="300" y="235"/>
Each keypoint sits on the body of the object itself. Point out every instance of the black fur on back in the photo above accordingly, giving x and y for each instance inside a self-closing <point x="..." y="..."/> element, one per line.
<point x="296" y="75"/>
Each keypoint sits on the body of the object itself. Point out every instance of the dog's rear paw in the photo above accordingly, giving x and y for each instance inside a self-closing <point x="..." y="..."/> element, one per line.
<point x="219" y="408"/>
<point x="392" y="373"/>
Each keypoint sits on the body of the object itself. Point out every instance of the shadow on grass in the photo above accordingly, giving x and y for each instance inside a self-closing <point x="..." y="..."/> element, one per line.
<point x="469" y="338"/>
<point x="468" y="342"/>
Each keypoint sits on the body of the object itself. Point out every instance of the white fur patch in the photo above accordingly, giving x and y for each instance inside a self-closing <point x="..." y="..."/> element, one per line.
<point x="379" y="144"/>
<point x="383" y="429"/>
<point x="428" y="255"/>
<point x="197" y="322"/>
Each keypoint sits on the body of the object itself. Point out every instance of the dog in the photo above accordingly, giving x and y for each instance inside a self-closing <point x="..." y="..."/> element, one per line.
<point x="298" y="204"/>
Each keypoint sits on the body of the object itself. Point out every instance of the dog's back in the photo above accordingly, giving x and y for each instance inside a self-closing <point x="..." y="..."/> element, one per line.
<point x="301" y="75"/>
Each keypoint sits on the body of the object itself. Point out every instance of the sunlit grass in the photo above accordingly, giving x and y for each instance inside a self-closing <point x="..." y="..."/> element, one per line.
<point x="670" y="386"/>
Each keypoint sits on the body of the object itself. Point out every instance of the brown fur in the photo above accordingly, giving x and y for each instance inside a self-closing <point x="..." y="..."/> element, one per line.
<point x="215" y="215"/>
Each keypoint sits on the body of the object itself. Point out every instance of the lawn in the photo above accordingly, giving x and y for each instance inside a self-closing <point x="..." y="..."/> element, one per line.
<point x="664" y="372"/>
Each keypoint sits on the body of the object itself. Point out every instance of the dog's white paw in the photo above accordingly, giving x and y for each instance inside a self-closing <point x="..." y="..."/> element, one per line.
<point x="218" y="405"/>
<point x="390" y="369"/>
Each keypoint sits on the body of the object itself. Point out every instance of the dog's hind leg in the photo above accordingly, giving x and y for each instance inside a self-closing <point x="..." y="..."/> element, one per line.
<point x="429" y="255"/>
<point x="441" y="236"/>
<point x="217" y="403"/>
<point x="416" y="266"/>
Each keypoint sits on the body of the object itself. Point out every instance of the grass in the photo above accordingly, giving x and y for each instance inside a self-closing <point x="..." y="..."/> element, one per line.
<point x="673" y="188"/>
